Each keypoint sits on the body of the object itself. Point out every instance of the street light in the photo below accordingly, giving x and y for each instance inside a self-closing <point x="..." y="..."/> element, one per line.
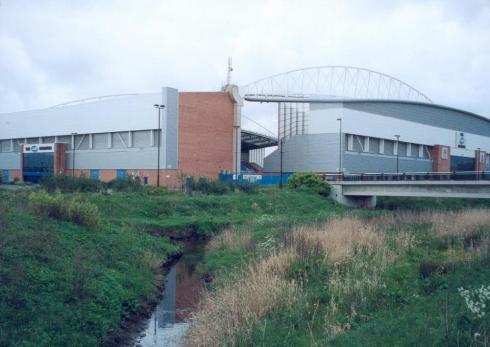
<point x="159" y="107"/>
<point x="281" y="143"/>
<point x="340" y="144"/>
<point x="397" y="151"/>
<point x="74" y="144"/>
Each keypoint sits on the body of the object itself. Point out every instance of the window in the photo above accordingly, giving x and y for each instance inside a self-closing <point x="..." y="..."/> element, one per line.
<point x="389" y="147"/>
<point x="82" y="142"/>
<point x="402" y="149"/>
<point x="5" y="146"/>
<point x="445" y="153"/>
<point x="100" y="141"/>
<point x="120" y="140"/>
<point x="373" y="145"/>
<point x="142" y="138"/>
<point x="122" y="174"/>
<point x="358" y="143"/>
<point x="65" y="139"/>
<point x="5" y="176"/>
<point x="17" y="143"/>
<point x="33" y="140"/>
<point x="94" y="174"/>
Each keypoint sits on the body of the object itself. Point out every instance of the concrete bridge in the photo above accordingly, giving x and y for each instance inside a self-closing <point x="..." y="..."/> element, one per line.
<point x="362" y="190"/>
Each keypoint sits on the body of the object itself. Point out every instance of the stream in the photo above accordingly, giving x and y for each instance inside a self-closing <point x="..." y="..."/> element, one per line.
<point x="183" y="287"/>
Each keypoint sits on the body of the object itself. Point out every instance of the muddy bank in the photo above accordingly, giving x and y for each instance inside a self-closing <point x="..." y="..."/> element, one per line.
<point x="135" y="321"/>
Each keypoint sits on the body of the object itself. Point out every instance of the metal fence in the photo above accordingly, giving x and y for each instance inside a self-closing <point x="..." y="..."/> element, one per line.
<point x="411" y="176"/>
<point x="264" y="180"/>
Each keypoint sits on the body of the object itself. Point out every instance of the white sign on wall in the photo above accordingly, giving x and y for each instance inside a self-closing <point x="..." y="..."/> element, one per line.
<point x="460" y="140"/>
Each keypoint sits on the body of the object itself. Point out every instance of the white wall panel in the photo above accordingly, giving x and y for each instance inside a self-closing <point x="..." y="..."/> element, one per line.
<point x="134" y="112"/>
<point x="323" y="120"/>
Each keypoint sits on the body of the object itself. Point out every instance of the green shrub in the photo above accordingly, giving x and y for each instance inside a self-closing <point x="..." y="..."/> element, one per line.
<point x="207" y="187"/>
<point x="130" y="184"/>
<point x="82" y="212"/>
<point x="309" y="181"/>
<point x="73" y="210"/>
<point x="68" y="184"/>
<point x="45" y="204"/>
<point x="152" y="190"/>
<point x="246" y="187"/>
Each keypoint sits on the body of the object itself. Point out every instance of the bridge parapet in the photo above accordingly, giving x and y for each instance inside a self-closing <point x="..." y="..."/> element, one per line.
<point x="363" y="193"/>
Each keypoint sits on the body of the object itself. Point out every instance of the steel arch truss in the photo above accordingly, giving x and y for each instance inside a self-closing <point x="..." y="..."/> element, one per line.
<point x="330" y="82"/>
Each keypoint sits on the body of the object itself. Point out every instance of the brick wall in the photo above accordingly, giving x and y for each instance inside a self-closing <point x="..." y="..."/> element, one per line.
<point x="168" y="178"/>
<point x="13" y="174"/>
<point x="441" y="158"/>
<point x="205" y="133"/>
<point x="480" y="160"/>
<point x="59" y="158"/>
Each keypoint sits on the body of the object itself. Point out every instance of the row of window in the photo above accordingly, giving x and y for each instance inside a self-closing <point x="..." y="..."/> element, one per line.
<point x="122" y="139"/>
<point x="367" y="144"/>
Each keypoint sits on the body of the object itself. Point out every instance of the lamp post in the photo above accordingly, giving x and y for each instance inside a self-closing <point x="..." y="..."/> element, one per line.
<point x="281" y="142"/>
<point x="340" y="144"/>
<point x="397" y="151"/>
<point x="74" y="144"/>
<point x="159" y="108"/>
<point x="238" y="159"/>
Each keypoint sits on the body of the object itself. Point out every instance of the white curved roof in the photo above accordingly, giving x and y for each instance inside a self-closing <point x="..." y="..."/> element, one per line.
<point x="331" y="82"/>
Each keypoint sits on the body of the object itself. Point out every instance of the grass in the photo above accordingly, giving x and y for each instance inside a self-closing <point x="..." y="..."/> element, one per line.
<point x="385" y="279"/>
<point x="65" y="284"/>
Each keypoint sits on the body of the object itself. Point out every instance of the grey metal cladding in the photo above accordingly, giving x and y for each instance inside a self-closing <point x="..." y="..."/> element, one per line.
<point x="127" y="158"/>
<point x="170" y="127"/>
<point x="363" y="162"/>
<point x="425" y="114"/>
<point x="5" y="146"/>
<point x="305" y="153"/>
<point x="142" y="138"/>
<point x="100" y="141"/>
<point x="10" y="161"/>
<point x="120" y="139"/>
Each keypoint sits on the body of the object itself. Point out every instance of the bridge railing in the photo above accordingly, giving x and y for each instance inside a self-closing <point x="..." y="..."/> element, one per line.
<point x="410" y="176"/>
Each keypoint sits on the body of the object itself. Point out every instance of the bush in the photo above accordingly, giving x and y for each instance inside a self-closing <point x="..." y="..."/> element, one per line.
<point x="152" y="190"/>
<point x="130" y="185"/>
<point x="309" y="181"/>
<point x="73" y="210"/>
<point x="82" y="213"/>
<point x="45" y="204"/>
<point x="246" y="187"/>
<point x="207" y="187"/>
<point x="68" y="184"/>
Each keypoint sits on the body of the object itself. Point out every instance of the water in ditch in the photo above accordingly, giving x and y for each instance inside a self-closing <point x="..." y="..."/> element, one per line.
<point x="183" y="287"/>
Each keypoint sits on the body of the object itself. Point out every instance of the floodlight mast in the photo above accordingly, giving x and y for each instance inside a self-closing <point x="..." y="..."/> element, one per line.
<point x="159" y="108"/>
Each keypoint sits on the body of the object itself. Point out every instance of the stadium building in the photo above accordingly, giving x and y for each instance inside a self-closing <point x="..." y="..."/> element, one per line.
<point x="192" y="134"/>
<point x="330" y="119"/>
<point x="352" y="120"/>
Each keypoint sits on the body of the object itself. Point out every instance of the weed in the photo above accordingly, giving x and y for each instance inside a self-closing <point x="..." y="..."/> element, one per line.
<point x="55" y="206"/>
<point x="309" y="181"/>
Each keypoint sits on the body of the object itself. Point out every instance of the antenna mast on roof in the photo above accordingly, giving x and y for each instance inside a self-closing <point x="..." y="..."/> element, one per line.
<point x="230" y="69"/>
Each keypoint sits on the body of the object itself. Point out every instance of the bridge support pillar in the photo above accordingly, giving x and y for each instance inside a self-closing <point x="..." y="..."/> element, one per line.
<point x="351" y="201"/>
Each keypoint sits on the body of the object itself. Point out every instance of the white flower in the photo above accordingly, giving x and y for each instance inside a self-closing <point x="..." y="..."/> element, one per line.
<point x="476" y="299"/>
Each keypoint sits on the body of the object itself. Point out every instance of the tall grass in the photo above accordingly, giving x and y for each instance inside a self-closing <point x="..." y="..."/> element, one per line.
<point x="232" y="238"/>
<point x="337" y="240"/>
<point x="237" y="307"/>
<point x="358" y="254"/>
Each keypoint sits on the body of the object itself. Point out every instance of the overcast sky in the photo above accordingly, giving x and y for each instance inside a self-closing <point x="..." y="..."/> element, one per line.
<point x="56" y="51"/>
